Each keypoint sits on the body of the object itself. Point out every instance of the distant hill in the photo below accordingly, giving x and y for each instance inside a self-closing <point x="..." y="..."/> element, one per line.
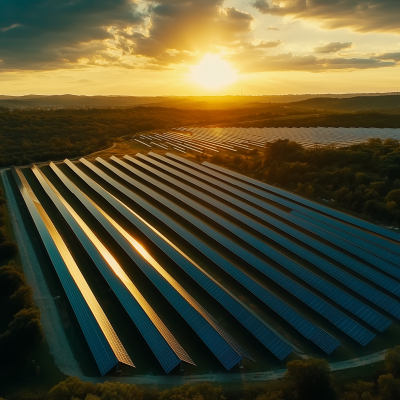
<point x="359" y="103"/>
<point x="321" y="101"/>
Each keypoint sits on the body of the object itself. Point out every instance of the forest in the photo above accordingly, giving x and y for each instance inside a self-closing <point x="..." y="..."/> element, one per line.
<point x="362" y="178"/>
<point x="309" y="379"/>
<point x="42" y="135"/>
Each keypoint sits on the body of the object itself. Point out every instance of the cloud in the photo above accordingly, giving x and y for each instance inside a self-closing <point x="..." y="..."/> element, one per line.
<point x="310" y="63"/>
<point x="188" y="28"/>
<point x="359" y="15"/>
<point x="389" y="56"/>
<point x="333" y="47"/>
<point x="268" y="45"/>
<point x="42" y="34"/>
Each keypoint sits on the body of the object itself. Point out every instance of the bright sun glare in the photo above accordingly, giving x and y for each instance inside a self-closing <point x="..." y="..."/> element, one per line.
<point x="213" y="72"/>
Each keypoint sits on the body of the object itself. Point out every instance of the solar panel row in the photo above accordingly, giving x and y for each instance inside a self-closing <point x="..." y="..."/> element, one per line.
<point x="335" y="316"/>
<point x="244" y="315"/>
<point x="371" y="239"/>
<point x="376" y="277"/>
<point x="336" y="214"/>
<point x="376" y="256"/>
<point x="163" y="344"/>
<point x="306" y="136"/>
<point x="310" y="331"/>
<point x="217" y="339"/>
<point x="345" y="300"/>
<point x="338" y="235"/>
<point x="103" y="342"/>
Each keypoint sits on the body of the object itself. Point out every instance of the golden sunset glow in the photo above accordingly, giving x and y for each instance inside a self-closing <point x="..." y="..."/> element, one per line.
<point x="213" y="72"/>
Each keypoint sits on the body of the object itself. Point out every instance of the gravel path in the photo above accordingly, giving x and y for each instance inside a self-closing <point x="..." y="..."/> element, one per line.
<point x="62" y="353"/>
<point x="54" y="332"/>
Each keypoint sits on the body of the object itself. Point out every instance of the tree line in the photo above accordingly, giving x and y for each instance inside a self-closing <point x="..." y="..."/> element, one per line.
<point x="306" y="379"/>
<point x="20" y="327"/>
<point x="362" y="178"/>
<point x="28" y="136"/>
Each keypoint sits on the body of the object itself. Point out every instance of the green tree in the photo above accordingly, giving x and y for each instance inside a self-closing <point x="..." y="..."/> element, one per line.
<point x="10" y="280"/>
<point x="72" y="387"/>
<point x="392" y="361"/>
<point x="394" y="195"/>
<point x="389" y="387"/>
<point x="119" y="391"/>
<point x="8" y="249"/>
<point x="311" y="378"/>
<point x="271" y="396"/>
<point x="203" y="391"/>
<point x="359" y="391"/>
<point x="22" y="334"/>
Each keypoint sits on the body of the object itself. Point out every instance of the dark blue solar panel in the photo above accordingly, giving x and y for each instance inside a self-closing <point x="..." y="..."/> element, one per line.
<point x="158" y="344"/>
<point x="100" y="348"/>
<point x="344" y="217"/>
<point x="384" y="260"/>
<point x="201" y="322"/>
<point x="310" y="331"/>
<point x="353" y="305"/>
<point x="247" y="317"/>
<point x="334" y="315"/>
<point x="353" y="240"/>
<point x="379" y="279"/>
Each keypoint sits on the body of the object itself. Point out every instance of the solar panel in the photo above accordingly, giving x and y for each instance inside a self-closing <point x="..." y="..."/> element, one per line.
<point x="309" y="298"/>
<point x="241" y="312"/>
<point x="347" y="301"/>
<point x="222" y="345"/>
<point x="376" y="277"/>
<point x="322" y="339"/>
<point x="310" y="331"/>
<point x="375" y="255"/>
<point x="160" y="340"/>
<point x="103" y="342"/>
<point x="343" y="236"/>
<point x="341" y="216"/>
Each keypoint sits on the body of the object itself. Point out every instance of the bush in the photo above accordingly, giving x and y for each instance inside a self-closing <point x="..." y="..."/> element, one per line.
<point x="311" y="378"/>
<point x="8" y="249"/>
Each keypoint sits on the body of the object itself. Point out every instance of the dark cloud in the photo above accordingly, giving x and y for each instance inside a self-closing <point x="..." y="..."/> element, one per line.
<point x="389" y="56"/>
<point x="51" y="34"/>
<point x="189" y="27"/>
<point x="360" y="15"/>
<point x="47" y="34"/>
<point x="268" y="45"/>
<point x="311" y="63"/>
<point x="333" y="47"/>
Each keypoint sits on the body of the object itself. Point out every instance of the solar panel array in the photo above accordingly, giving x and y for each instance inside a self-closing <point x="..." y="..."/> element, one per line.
<point x="295" y="201"/>
<point x="242" y="313"/>
<point x="104" y="344"/>
<point x="350" y="263"/>
<point x="320" y="272"/>
<point x="322" y="339"/>
<point x="214" y="336"/>
<point x="305" y="136"/>
<point x="163" y="344"/>
<point x="369" y="315"/>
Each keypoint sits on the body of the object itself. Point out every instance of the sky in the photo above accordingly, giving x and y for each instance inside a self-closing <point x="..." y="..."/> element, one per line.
<point x="199" y="47"/>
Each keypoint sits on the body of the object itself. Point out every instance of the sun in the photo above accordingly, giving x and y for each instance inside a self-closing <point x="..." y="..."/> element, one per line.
<point x="213" y="72"/>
